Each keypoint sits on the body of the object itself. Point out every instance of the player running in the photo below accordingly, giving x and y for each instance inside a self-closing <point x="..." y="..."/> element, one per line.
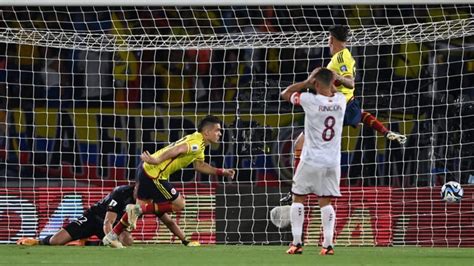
<point x="154" y="193"/>
<point x="320" y="169"/>
<point x="99" y="220"/>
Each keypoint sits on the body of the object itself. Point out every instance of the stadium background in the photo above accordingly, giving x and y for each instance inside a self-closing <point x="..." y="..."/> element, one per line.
<point x="64" y="145"/>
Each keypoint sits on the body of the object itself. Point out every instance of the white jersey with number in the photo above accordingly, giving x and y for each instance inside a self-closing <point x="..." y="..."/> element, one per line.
<point x="322" y="127"/>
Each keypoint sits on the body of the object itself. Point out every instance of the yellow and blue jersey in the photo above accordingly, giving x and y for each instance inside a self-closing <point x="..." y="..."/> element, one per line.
<point x="162" y="171"/>
<point x="343" y="64"/>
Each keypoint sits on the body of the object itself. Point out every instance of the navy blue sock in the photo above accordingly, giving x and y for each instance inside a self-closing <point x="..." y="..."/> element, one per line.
<point x="45" y="241"/>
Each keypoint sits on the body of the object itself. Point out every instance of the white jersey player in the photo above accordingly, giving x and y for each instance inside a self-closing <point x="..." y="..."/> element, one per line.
<point x="319" y="171"/>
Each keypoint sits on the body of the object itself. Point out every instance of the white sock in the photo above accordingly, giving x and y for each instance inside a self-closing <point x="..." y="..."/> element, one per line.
<point x="297" y="219"/>
<point x="328" y="217"/>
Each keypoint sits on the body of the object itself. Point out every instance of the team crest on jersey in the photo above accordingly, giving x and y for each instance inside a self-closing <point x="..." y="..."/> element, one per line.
<point x="173" y="191"/>
<point x="343" y="68"/>
<point x="194" y="147"/>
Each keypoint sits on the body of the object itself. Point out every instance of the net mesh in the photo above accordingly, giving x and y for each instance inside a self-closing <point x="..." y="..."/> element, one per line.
<point x="84" y="90"/>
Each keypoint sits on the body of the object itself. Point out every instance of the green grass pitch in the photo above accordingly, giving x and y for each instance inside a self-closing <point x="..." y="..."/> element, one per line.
<point x="213" y="255"/>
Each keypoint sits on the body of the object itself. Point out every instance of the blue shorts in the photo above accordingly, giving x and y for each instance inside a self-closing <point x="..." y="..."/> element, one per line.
<point x="147" y="189"/>
<point x="353" y="114"/>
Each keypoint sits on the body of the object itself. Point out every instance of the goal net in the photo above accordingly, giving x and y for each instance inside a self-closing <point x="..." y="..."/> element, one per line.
<point x="84" y="90"/>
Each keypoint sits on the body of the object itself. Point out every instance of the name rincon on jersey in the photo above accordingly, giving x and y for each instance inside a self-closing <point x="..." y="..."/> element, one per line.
<point x="329" y="108"/>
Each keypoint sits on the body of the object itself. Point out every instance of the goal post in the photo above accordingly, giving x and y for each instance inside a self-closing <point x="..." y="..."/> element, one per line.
<point x="84" y="89"/>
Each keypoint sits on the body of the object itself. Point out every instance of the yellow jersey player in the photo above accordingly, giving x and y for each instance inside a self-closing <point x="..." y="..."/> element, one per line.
<point x="343" y="65"/>
<point x="155" y="194"/>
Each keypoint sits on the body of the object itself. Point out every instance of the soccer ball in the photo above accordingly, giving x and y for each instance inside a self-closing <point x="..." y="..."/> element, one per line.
<point x="280" y="216"/>
<point x="452" y="191"/>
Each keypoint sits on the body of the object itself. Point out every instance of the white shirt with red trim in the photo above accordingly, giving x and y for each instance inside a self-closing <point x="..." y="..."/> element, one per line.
<point x="322" y="127"/>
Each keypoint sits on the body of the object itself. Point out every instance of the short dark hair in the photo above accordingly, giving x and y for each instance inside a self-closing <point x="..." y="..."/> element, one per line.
<point x="340" y="32"/>
<point x="208" y="120"/>
<point x="324" y="76"/>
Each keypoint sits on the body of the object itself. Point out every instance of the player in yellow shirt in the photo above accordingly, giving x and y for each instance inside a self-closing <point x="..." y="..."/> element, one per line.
<point x="343" y="65"/>
<point x="155" y="194"/>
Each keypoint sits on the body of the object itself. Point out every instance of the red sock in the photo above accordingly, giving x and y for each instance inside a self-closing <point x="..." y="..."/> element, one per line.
<point x="121" y="225"/>
<point x="157" y="207"/>
<point x="164" y="207"/>
<point x="148" y="208"/>
<point x="371" y="121"/>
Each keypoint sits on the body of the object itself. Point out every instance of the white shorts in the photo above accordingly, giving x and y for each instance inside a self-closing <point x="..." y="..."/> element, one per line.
<point x="322" y="181"/>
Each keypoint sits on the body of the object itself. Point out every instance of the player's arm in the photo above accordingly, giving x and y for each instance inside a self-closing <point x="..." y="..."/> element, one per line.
<point x="298" y="86"/>
<point x="347" y="80"/>
<point x="205" y="168"/>
<point x="109" y="220"/>
<point x="172" y="152"/>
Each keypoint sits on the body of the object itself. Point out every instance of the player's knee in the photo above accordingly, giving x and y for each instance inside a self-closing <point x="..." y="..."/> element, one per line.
<point x="178" y="204"/>
<point x="126" y="238"/>
<point x="324" y="202"/>
<point x="299" y="199"/>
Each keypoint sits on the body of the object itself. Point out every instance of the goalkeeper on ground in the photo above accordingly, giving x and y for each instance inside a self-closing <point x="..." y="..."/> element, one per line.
<point x="99" y="220"/>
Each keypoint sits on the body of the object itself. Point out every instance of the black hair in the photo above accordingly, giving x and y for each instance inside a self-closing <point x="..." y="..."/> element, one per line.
<point x="341" y="33"/>
<point x="324" y="76"/>
<point x="208" y="120"/>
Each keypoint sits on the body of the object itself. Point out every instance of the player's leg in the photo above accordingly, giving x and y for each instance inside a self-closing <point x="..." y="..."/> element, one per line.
<point x="302" y="186"/>
<point x="371" y="121"/>
<point x="298" y="147"/>
<point x="328" y="180"/>
<point x="60" y="238"/>
<point x="328" y="218"/>
<point x="165" y="199"/>
<point x="75" y="230"/>
<point x="126" y="238"/>
<point x="354" y="115"/>
<point x="144" y="192"/>
<point x="297" y="220"/>
<point x="153" y="196"/>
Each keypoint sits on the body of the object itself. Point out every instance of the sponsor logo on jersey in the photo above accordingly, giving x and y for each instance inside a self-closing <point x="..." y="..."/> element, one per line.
<point x="194" y="147"/>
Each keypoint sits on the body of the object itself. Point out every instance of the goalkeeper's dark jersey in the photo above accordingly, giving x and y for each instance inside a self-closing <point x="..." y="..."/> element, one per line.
<point x="116" y="202"/>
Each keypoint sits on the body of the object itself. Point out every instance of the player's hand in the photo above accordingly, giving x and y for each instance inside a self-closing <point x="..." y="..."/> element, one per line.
<point x="311" y="80"/>
<point x="229" y="173"/>
<point x="337" y="79"/>
<point x="147" y="158"/>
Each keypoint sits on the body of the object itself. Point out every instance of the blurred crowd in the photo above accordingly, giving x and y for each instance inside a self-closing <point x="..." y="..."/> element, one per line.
<point x="431" y="81"/>
<point x="65" y="77"/>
